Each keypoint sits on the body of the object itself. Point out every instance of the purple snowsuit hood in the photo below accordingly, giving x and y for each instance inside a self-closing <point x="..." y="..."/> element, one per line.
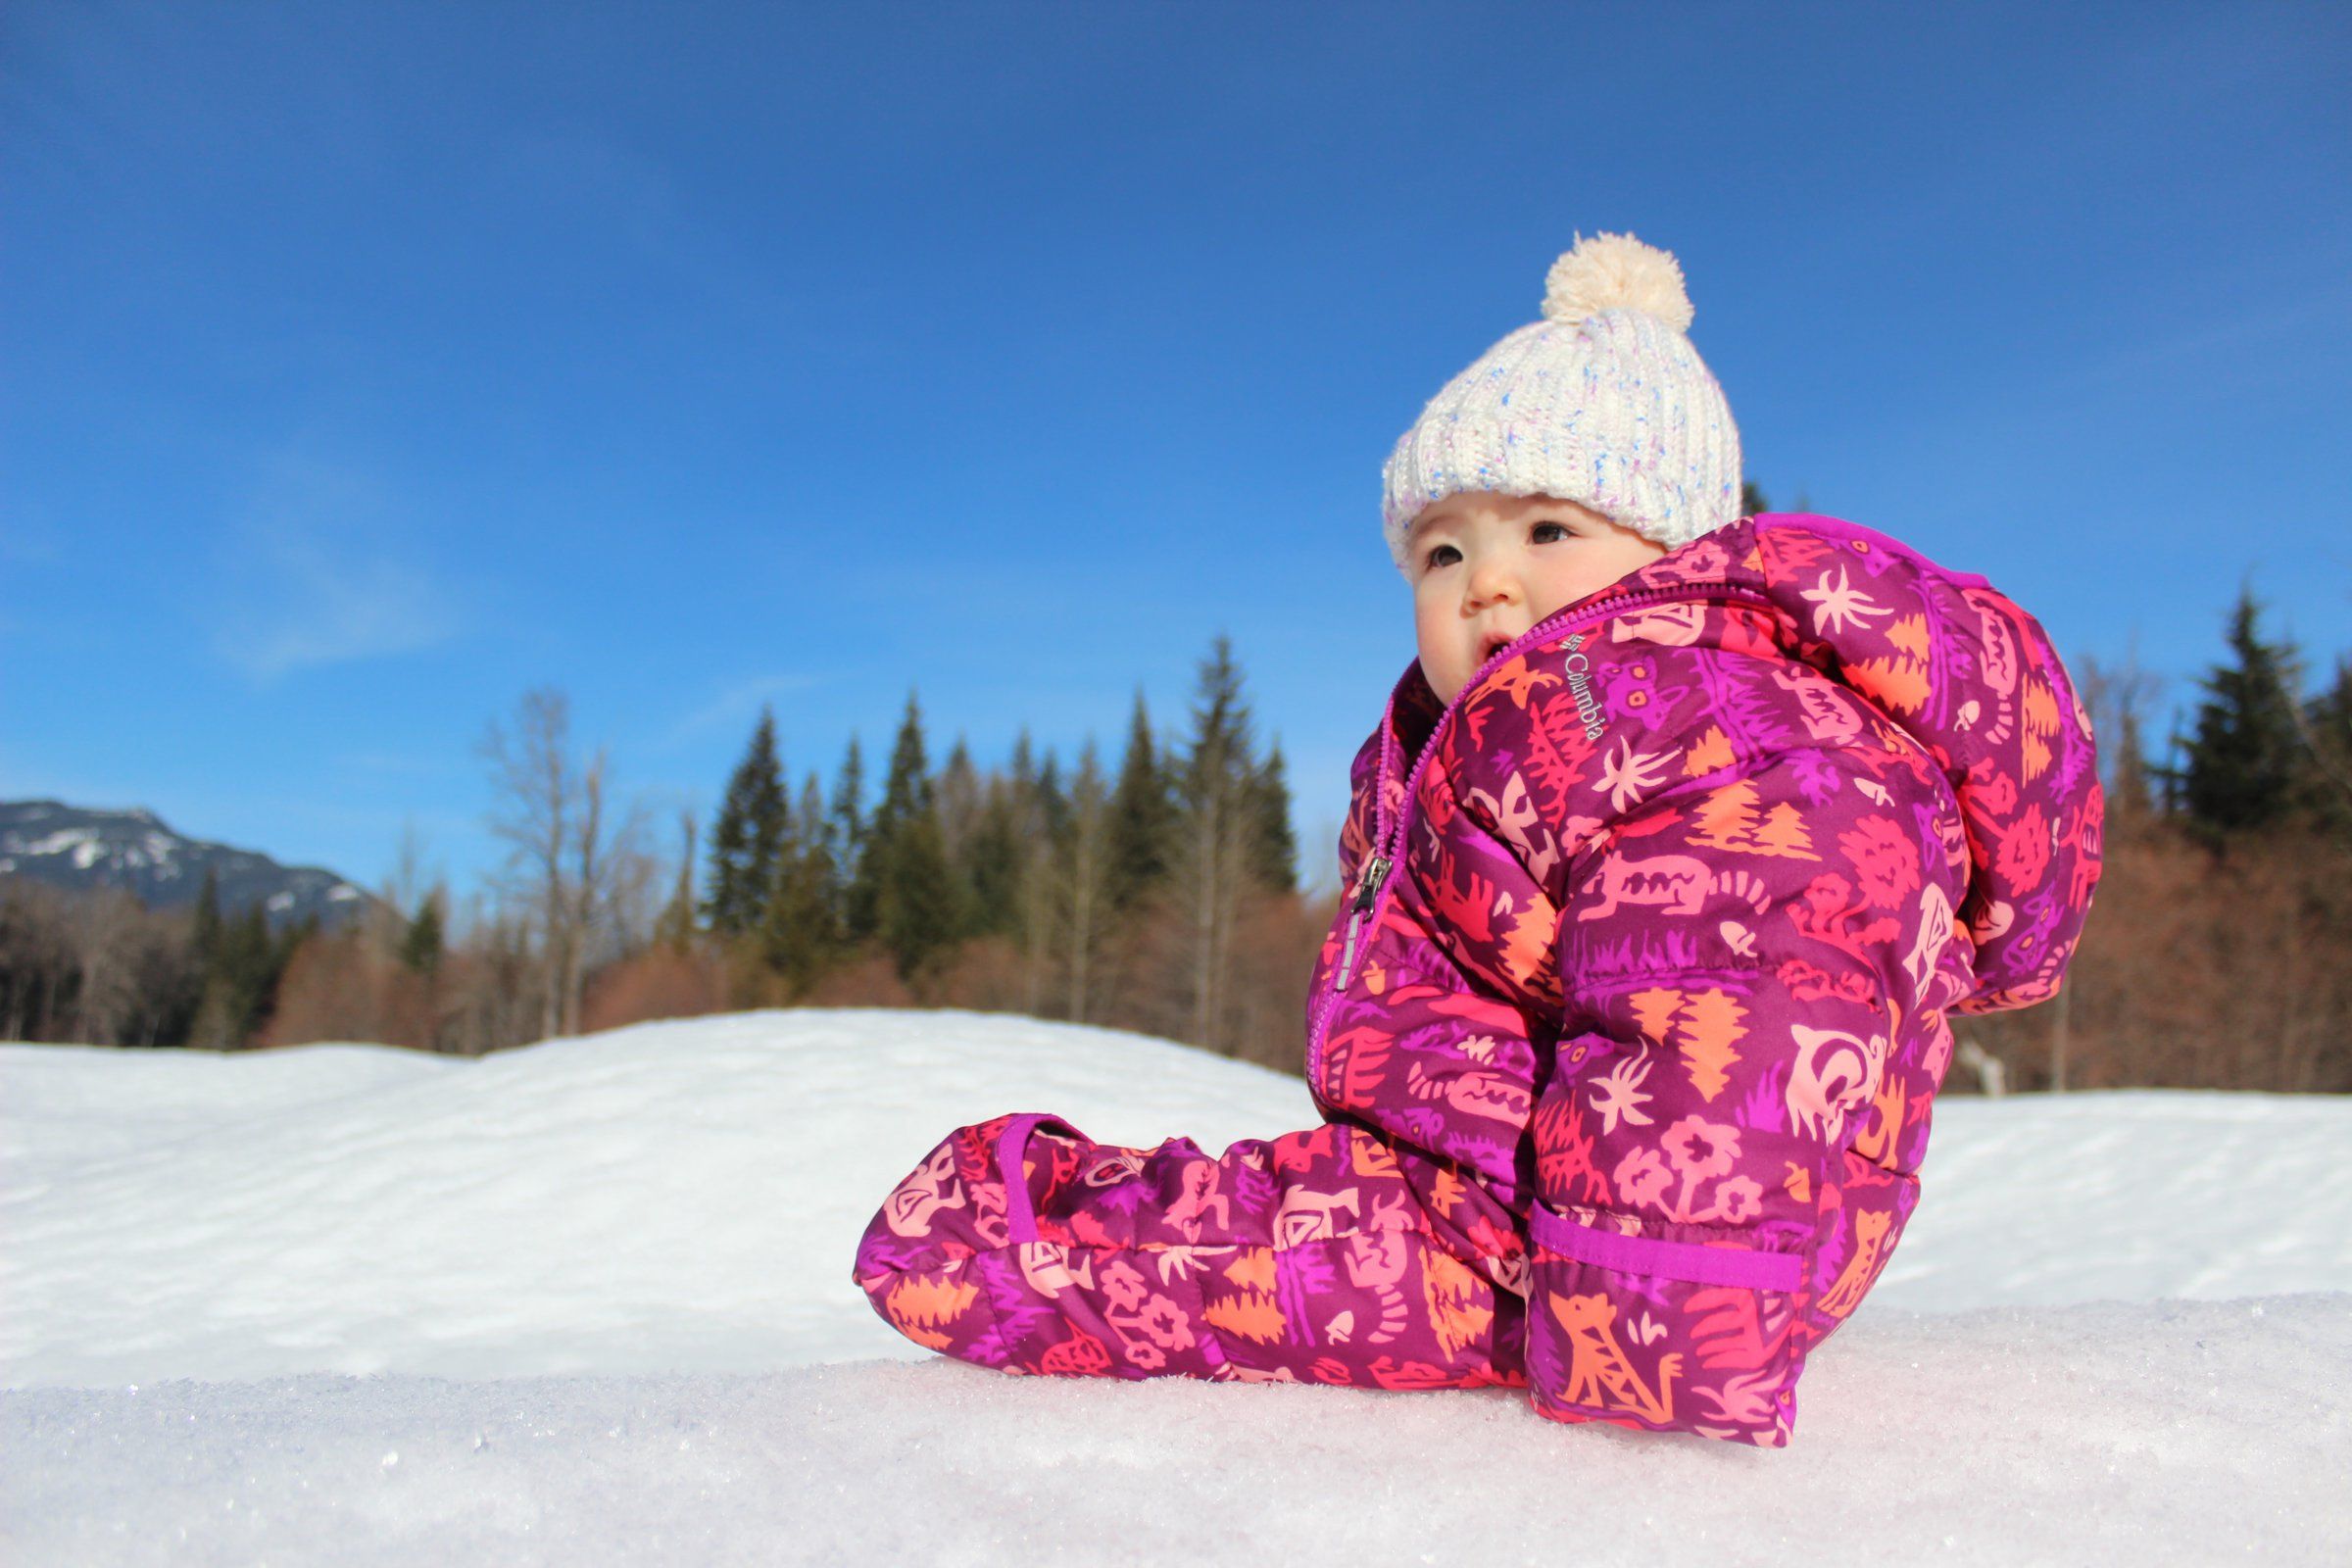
<point x="1628" y="1027"/>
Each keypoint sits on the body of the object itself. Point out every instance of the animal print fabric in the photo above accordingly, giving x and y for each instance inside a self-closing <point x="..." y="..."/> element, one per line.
<point x="1627" y="1033"/>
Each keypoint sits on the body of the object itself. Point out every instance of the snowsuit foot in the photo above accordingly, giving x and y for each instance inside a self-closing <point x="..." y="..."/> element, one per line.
<point x="1307" y="1257"/>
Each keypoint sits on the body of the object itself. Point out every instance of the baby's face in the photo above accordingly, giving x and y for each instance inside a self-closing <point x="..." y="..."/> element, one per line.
<point x="1484" y="568"/>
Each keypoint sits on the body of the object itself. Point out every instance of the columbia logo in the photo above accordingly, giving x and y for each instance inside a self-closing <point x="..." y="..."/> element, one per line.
<point x="1580" y="687"/>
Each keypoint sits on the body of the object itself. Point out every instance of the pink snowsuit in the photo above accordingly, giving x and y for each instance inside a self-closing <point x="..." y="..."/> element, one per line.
<point x="1627" y="1032"/>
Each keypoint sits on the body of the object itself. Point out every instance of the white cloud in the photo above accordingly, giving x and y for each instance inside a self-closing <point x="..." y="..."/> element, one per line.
<point x="308" y="578"/>
<point x="735" y="708"/>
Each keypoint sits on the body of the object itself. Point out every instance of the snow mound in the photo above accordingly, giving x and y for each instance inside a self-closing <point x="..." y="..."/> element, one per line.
<point x="675" y="1196"/>
<point x="2185" y="1432"/>
<point x="686" y="1195"/>
<point x="601" y="1290"/>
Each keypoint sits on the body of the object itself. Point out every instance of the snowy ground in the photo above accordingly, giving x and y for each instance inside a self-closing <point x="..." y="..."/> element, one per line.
<point x="589" y="1302"/>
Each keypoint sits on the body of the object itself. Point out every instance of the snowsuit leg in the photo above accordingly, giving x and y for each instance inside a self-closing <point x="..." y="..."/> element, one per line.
<point x="1306" y="1257"/>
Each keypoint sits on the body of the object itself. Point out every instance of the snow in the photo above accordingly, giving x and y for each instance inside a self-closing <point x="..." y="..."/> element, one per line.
<point x="53" y="843"/>
<point x="589" y="1301"/>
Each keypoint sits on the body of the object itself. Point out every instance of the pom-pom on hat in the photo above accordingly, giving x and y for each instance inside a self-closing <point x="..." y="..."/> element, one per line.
<point x="1604" y="402"/>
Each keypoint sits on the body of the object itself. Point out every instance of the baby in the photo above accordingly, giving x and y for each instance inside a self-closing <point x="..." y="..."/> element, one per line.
<point x="1667" y="862"/>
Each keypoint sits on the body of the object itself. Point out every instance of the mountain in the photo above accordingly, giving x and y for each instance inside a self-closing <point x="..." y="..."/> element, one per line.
<point x="79" y="850"/>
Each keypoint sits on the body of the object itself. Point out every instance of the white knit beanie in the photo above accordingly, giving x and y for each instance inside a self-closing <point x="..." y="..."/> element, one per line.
<point x="1604" y="402"/>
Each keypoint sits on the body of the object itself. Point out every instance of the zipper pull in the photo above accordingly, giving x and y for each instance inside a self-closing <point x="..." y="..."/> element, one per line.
<point x="1367" y="887"/>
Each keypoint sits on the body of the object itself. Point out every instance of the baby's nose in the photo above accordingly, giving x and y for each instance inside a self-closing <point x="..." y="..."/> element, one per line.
<point x="1488" y="587"/>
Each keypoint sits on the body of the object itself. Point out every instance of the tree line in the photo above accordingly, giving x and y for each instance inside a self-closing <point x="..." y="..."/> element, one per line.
<point x="1083" y="895"/>
<point x="2218" y="953"/>
<point x="1162" y="897"/>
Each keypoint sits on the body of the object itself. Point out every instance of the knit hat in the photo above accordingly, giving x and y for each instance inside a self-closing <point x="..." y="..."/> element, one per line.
<point x="1604" y="402"/>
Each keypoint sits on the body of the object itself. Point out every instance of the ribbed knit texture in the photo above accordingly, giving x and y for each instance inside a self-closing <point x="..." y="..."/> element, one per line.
<point x="1613" y="410"/>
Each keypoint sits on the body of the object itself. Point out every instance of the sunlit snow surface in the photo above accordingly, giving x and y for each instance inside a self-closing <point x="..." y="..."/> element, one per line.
<point x="630" y="1251"/>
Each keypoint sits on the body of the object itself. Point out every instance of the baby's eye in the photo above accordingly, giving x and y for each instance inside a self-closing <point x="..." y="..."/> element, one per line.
<point x="1433" y="560"/>
<point x="1558" y="530"/>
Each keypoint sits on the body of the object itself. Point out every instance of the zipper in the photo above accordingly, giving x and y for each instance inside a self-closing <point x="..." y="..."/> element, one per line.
<point x="1372" y="883"/>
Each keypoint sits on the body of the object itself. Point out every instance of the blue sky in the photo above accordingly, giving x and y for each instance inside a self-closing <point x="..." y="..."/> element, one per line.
<point x="367" y="365"/>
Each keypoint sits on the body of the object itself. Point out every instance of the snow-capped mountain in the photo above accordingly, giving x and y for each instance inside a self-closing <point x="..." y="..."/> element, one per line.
<point x="80" y="850"/>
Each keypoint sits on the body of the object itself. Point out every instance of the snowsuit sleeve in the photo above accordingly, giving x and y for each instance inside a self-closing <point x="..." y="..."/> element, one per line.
<point x="1724" y="1152"/>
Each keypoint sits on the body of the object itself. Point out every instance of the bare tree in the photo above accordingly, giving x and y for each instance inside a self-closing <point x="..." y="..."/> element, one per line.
<point x="2121" y="697"/>
<point x="102" y="928"/>
<point x="403" y="890"/>
<point x="575" y="863"/>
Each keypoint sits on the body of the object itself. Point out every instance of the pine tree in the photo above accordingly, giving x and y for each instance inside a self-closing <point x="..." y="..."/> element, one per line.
<point x="800" y="935"/>
<point x="747" y="839"/>
<point x="1052" y="801"/>
<point x="960" y="804"/>
<point x="1218" y="840"/>
<point x="1276" y="863"/>
<point x="238" y="989"/>
<point x="1084" y="864"/>
<point x="1751" y="499"/>
<point x="1783" y="833"/>
<point x="1029" y="914"/>
<point x="675" y="929"/>
<point x="420" y="943"/>
<point x="850" y="838"/>
<point x="993" y="862"/>
<point x="2243" y="760"/>
<point x="204" y="941"/>
<point x="915" y="908"/>
<point x="1726" y="816"/>
<point x="1141" y="815"/>
<point x="817" y="848"/>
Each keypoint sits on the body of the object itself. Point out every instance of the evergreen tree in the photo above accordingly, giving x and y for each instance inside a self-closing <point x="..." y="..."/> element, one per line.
<point x="851" y="841"/>
<point x="1276" y="861"/>
<point x="204" y="943"/>
<point x="1053" y="801"/>
<point x="915" y="908"/>
<point x="800" y="936"/>
<point x="2243" y="760"/>
<point x="675" y="929"/>
<point x="747" y="840"/>
<point x="1141" y="815"/>
<point x="1032" y="914"/>
<point x="957" y="791"/>
<point x="959" y="805"/>
<point x="993" y="862"/>
<point x="817" y="848"/>
<point x="1751" y="499"/>
<point x="420" y="944"/>
<point x="1219" y="845"/>
<point x="1083" y="864"/>
<point x="242" y="983"/>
